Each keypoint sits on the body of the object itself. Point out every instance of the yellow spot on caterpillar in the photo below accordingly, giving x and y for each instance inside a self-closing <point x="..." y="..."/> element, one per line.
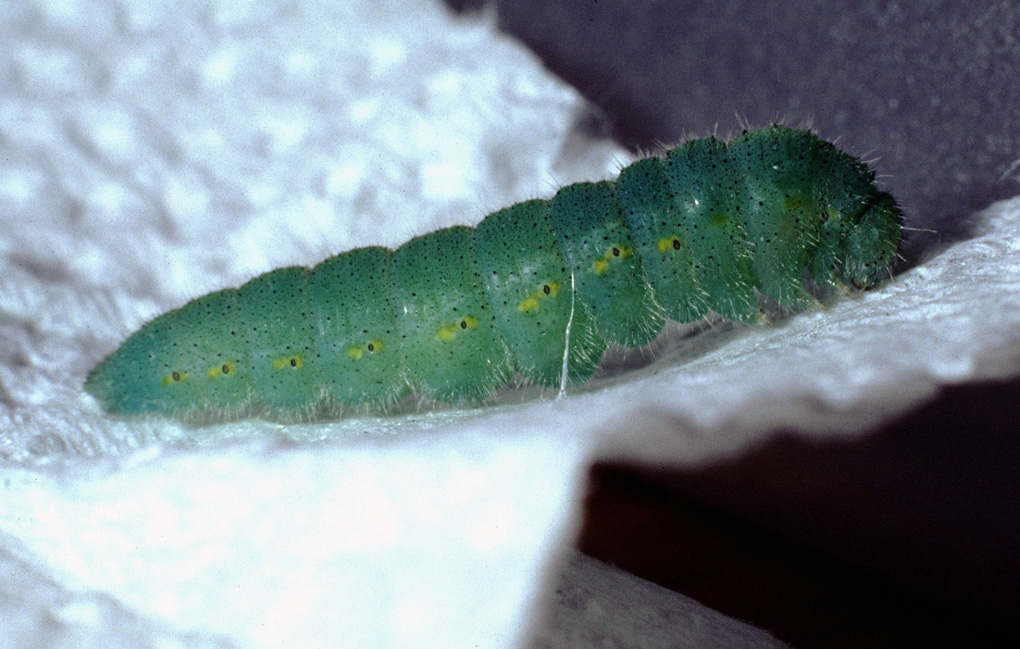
<point x="219" y="371"/>
<point x="355" y="352"/>
<point x="792" y="203"/>
<point x="175" y="377"/>
<point x="448" y="332"/>
<point x="284" y="362"/>
<point x="533" y="301"/>
<point x="601" y="265"/>
<point x="669" y="243"/>
<point x="720" y="219"/>
<point x="528" y="304"/>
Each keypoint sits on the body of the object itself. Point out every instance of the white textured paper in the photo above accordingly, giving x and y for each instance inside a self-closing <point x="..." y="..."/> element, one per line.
<point x="150" y="153"/>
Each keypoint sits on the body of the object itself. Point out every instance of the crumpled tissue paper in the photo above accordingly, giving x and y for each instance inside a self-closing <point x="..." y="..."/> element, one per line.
<point x="153" y="152"/>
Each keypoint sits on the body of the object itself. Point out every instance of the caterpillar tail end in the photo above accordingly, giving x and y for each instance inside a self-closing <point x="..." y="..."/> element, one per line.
<point x="125" y="384"/>
<point x="110" y="394"/>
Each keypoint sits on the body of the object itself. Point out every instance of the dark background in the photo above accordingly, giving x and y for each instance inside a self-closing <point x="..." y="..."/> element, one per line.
<point x="927" y="89"/>
<point x="911" y="534"/>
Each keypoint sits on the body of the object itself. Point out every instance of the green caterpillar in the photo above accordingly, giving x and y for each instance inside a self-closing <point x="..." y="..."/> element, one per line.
<point x="536" y="290"/>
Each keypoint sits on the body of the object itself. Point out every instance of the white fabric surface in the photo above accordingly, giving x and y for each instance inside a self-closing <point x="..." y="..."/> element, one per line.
<point x="151" y="153"/>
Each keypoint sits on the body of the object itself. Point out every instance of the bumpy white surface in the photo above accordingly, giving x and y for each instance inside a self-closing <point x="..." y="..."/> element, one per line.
<point x="150" y="153"/>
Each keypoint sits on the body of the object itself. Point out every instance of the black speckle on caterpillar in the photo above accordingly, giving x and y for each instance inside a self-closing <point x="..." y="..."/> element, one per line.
<point x="536" y="290"/>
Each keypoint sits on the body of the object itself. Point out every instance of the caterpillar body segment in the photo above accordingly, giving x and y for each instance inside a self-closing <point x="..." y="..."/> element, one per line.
<point x="449" y="343"/>
<point x="355" y="316"/>
<point x="529" y="287"/>
<point x="593" y="235"/>
<point x="711" y="196"/>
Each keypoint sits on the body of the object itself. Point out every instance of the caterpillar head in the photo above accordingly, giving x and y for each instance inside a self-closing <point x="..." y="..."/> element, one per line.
<point x="871" y="244"/>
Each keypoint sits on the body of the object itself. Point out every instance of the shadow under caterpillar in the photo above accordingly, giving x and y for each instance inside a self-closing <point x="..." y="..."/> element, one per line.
<point x="537" y="289"/>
